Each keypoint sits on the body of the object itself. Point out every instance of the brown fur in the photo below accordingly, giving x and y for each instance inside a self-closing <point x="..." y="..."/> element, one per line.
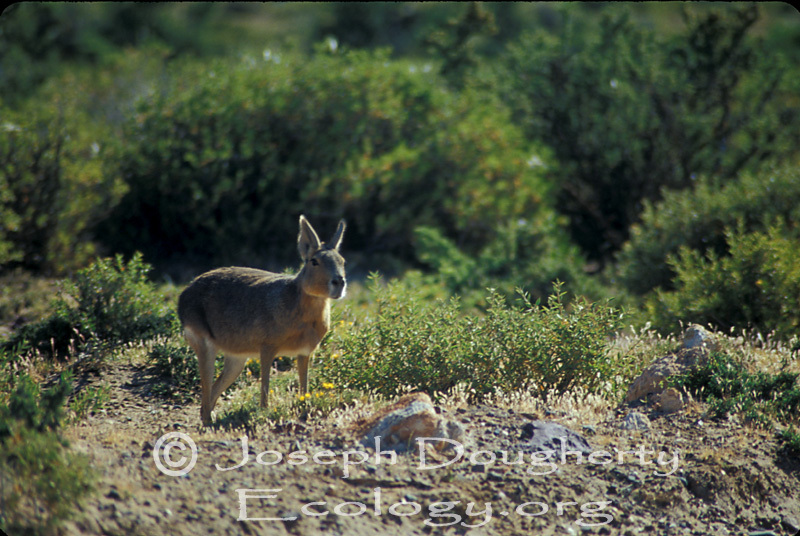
<point x="244" y="312"/>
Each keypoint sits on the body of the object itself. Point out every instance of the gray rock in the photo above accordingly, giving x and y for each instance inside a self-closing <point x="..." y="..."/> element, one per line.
<point x="635" y="421"/>
<point x="696" y="336"/>
<point x="546" y="435"/>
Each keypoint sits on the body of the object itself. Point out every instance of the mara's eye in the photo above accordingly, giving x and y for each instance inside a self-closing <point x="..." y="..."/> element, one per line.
<point x="314" y="262"/>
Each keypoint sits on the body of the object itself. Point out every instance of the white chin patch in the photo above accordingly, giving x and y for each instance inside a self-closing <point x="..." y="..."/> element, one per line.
<point x="338" y="295"/>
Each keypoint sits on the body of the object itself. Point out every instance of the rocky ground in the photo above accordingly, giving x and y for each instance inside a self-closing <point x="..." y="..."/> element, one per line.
<point x="680" y="474"/>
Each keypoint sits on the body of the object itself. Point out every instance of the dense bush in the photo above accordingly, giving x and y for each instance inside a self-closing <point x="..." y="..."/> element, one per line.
<point x="41" y="481"/>
<point x="38" y="39"/>
<point x="110" y="301"/>
<point x="526" y="255"/>
<point x="628" y="113"/>
<point x="697" y="219"/>
<point x="436" y="347"/>
<point x="222" y="161"/>
<point x="52" y="189"/>
<point x="755" y="285"/>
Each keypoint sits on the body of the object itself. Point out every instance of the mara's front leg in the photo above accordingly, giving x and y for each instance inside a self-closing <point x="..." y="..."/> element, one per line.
<point x="267" y="357"/>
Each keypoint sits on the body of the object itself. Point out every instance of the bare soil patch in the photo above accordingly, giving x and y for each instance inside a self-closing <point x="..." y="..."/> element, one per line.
<point x="711" y="478"/>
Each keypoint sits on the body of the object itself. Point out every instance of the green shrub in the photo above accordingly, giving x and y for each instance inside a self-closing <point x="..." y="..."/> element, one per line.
<point x="697" y="219"/>
<point x="628" y="113"/>
<point x="117" y="302"/>
<point x="729" y="388"/>
<point x="41" y="481"/>
<point x="223" y="159"/>
<point x="408" y="343"/>
<point x="110" y="301"/>
<point x="434" y="347"/>
<point x="755" y="286"/>
<point x="559" y="346"/>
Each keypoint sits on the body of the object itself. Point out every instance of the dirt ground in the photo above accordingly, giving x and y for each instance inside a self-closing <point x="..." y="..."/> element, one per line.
<point x="683" y="475"/>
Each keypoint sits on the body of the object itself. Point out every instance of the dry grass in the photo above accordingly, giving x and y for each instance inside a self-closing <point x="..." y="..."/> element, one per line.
<point x="762" y="353"/>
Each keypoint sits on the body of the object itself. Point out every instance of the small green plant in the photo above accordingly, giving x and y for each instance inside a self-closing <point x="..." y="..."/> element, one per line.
<point x="177" y="364"/>
<point x="41" y="482"/>
<point x="34" y="408"/>
<point x="790" y="438"/>
<point x="730" y="389"/>
<point x="242" y="417"/>
<point x="558" y="346"/>
<point x="116" y="301"/>
<point x="89" y="400"/>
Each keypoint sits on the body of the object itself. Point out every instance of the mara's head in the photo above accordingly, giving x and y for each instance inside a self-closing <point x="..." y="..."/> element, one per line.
<point x="323" y="272"/>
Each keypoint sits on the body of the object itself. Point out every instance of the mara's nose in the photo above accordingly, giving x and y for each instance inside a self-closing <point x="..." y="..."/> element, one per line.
<point x="338" y="287"/>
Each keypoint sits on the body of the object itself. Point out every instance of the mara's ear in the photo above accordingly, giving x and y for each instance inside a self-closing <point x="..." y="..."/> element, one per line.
<point x="307" y="241"/>
<point x="336" y="240"/>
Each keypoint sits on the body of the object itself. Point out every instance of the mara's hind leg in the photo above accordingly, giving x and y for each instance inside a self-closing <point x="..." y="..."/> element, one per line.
<point x="206" y="354"/>
<point x="230" y="371"/>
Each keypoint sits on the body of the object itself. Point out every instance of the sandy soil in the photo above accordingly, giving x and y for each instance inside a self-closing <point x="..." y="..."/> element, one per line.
<point x="683" y="475"/>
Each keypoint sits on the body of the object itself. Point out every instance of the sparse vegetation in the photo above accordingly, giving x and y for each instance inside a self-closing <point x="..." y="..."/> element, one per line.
<point x="88" y="401"/>
<point x="729" y="388"/>
<point x="177" y="366"/>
